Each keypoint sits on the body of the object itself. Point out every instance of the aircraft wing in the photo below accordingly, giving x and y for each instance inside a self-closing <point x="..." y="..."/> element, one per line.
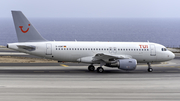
<point x="109" y="57"/>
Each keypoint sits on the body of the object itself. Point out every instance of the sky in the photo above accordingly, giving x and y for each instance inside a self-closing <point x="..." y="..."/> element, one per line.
<point x="92" y="8"/>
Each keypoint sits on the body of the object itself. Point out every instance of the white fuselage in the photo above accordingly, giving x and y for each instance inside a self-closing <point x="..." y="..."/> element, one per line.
<point x="66" y="51"/>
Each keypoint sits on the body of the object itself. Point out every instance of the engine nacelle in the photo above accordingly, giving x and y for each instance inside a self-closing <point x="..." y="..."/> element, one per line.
<point x="124" y="64"/>
<point x="127" y="64"/>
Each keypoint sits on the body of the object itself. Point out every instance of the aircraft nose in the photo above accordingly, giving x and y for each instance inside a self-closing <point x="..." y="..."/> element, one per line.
<point x="172" y="55"/>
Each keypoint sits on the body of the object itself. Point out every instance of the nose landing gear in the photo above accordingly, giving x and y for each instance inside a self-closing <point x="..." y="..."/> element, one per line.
<point x="149" y="67"/>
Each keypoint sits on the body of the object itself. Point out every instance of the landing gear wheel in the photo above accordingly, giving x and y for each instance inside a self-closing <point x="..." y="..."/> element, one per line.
<point x="100" y="70"/>
<point x="150" y="69"/>
<point x="91" y="68"/>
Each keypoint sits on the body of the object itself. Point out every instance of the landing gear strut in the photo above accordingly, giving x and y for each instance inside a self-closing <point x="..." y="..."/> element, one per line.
<point x="100" y="69"/>
<point x="91" y="68"/>
<point x="149" y="67"/>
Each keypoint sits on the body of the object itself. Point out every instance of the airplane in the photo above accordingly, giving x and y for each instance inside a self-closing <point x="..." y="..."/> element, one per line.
<point x="121" y="55"/>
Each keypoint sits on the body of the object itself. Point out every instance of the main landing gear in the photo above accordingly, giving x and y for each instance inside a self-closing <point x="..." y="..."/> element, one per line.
<point x="149" y="67"/>
<point x="100" y="70"/>
<point x="92" y="68"/>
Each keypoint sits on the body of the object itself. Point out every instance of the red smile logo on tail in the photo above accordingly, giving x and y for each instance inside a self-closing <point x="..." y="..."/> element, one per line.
<point x="23" y="30"/>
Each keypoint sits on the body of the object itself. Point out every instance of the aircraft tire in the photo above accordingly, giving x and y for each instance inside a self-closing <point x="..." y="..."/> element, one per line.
<point x="100" y="70"/>
<point x="91" y="68"/>
<point x="150" y="69"/>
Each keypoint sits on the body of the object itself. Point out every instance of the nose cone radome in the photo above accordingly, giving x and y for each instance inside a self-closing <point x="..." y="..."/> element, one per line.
<point x="172" y="56"/>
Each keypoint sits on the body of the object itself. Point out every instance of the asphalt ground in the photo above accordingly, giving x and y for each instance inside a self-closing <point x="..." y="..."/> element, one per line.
<point x="73" y="82"/>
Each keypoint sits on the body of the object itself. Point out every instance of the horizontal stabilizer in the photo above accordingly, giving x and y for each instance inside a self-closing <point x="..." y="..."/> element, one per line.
<point x="29" y="48"/>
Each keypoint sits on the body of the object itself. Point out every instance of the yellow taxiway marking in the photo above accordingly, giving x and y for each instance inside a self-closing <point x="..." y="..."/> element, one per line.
<point x="177" y="67"/>
<point x="64" y="65"/>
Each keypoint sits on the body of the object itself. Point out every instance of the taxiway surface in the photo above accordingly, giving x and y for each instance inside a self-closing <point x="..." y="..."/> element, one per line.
<point x="75" y="83"/>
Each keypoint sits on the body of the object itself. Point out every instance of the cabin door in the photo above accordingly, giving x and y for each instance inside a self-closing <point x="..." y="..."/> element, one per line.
<point x="48" y="49"/>
<point x="153" y="50"/>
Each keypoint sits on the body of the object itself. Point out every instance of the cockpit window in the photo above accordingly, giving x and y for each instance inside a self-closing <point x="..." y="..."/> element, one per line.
<point x="164" y="49"/>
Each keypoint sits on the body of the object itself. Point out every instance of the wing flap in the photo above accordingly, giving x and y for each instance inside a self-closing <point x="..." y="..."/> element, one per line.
<point x="109" y="57"/>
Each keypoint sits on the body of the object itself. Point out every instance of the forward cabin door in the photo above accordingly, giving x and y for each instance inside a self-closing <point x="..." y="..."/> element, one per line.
<point x="48" y="49"/>
<point x="153" y="50"/>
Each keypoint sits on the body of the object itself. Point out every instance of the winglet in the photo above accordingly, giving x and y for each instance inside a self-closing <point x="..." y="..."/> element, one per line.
<point x="24" y="29"/>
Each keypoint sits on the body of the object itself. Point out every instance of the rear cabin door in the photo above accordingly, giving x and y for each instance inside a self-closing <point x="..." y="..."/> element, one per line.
<point x="48" y="49"/>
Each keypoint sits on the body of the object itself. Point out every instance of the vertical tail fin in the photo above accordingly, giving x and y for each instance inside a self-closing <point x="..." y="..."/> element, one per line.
<point x="24" y="29"/>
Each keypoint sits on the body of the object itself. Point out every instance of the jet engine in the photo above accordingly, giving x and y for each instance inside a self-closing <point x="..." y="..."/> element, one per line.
<point x="124" y="64"/>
